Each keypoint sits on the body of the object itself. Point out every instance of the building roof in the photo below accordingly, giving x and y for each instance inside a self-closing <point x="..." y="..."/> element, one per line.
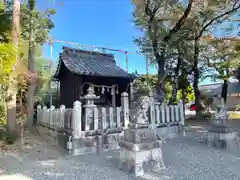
<point x="90" y="63"/>
<point x="216" y="89"/>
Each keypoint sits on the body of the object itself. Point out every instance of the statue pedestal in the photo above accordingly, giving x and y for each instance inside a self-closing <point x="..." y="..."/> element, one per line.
<point x="220" y="133"/>
<point x="140" y="151"/>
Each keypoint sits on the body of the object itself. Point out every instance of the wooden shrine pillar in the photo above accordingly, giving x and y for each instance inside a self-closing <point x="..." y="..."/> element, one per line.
<point x="113" y="93"/>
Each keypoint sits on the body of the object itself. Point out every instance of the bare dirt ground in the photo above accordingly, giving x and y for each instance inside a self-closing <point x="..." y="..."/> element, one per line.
<point x="186" y="158"/>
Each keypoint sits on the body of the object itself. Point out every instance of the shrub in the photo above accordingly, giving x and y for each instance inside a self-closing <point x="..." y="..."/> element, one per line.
<point x="238" y="107"/>
<point x="3" y="118"/>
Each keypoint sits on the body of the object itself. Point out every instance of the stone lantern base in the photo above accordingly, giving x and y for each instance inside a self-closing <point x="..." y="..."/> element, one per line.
<point x="220" y="132"/>
<point x="140" y="151"/>
<point x="221" y="135"/>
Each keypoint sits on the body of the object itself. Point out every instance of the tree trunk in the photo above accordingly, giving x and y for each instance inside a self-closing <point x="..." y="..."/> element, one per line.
<point x="197" y="92"/>
<point x="224" y="91"/>
<point x="161" y="69"/>
<point x="22" y="117"/>
<point x="161" y="76"/>
<point x="22" y="133"/>
<point x="153" y="32"/>
<point x="12" y="88"/>
<point x="196" y="78"/>
<point x="31" y="87"/>
<point x="11" y="107"/>
<point x="30" y="104"/>
<point x="173" y="99"/>
<point x="183" y="100"/>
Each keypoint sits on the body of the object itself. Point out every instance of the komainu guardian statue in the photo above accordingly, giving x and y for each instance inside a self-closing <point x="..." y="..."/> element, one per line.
<point x="139" y="115"/>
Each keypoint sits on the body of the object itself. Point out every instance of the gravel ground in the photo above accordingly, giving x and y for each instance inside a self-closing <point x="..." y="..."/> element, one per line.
<point x="186" y="158"/>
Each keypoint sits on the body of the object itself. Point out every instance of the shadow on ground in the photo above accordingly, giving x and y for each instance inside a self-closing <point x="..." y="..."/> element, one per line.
<point x="186" y="158"/>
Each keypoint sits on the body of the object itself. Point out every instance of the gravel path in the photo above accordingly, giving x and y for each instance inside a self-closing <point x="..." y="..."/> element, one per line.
<point x="186" y="158"/>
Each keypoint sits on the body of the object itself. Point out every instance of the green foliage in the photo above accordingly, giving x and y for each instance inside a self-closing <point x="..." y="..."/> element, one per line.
<point x="189" y="94"/>
<point x="5" y="23"/>
<point x="224" y="58"/>
<point x="205" y="18"/>
<point x="237" y="47"/>
<point x="165" y="19"/>
<point x="145" y="83"/>
<point x="238" y="107"/>
<point x="42" y="22"/>
<point x="42" y="25"/>
<point x="167" y="91"/>
<point x="6" y="138"/>
<point x="7" y="59"/>
<point x="2" y="5"/>
<point x="208" y="115"/>
<point x="3" y="118"/>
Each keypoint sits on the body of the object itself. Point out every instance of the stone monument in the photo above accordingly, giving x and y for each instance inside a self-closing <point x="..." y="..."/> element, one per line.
<point x="220" y="133"/>
<point x="140" y="149"/>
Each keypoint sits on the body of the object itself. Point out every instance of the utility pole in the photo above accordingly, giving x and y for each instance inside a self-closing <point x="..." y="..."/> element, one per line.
<point x="12" y="88"/>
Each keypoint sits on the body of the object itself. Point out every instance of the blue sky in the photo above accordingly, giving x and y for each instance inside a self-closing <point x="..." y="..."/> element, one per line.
<point x="106" y="23"/>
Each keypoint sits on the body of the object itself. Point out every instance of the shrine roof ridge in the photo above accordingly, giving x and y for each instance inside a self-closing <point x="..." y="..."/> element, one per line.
<point x="90" y="63"/>
<point x="78" y="50"/>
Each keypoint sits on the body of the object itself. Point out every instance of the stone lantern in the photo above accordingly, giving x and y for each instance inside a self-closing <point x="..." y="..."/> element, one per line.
<point x="89" y="107"/>
<point x="220" y="133"/>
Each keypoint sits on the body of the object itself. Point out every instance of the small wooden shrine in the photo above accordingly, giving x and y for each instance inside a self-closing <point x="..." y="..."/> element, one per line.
<point x="79" y="69"/>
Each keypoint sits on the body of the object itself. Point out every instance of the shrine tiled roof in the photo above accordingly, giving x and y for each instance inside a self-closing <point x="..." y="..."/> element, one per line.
<point x="90" y="63"/>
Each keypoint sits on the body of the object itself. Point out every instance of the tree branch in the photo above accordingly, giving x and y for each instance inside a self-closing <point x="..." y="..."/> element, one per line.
<point x="218" y="17"/>
<point x="180" y="22"/>
<point x="152" y="34"/>
<point x="150" y="13"/>
<point x="152" y="30"/>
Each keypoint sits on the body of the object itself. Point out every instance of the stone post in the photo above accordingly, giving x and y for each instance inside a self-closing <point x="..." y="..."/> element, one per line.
<point x="152" y="111"/>
<point x="125" y="105"/>
<point x="182" y="120"/>
<point x="45" y="115"/>
<point x="76" y="119"/>
<point x="62" y="116"/>
<point x="52" y="109"/>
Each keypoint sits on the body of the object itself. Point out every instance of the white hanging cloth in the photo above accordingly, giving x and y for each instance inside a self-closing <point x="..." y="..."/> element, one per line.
<point x="112" y="91"/>
<point x="117" y="92"/>
<point x="103" y="90"/>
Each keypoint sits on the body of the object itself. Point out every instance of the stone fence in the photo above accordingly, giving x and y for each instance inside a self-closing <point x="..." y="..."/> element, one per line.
<point x="88" y="128"/>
